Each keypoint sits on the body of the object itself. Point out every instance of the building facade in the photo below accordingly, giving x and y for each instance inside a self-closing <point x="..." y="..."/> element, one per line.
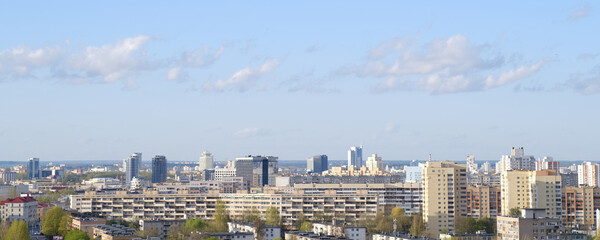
<point x="159" y="169"/>
<point x="444" y="195"/>
<point x="206" y="161"/>
<point x="20" y="208"/>
<point x="483" y="201"/>
<point x="532" y="189"/>
<point x="33" y="168"/>
<point x="317" y="164"/>
<point x="355" y="157"/>
<point x="532" y="224"/>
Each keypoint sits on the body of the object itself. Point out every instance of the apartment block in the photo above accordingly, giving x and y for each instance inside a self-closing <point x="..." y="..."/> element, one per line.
<point x="532" y="224"/>
<point x="268" y="232"/>
<point x="444" y="195"/>
<point x="579" y="204"/>
<point x="21" y="208"/>
<point x="532" y="189"/>
<point x="349" y="232"/>
<point x="183" y="205"/>
<point x="408" y="196"/>
<point x="483" y="201"/>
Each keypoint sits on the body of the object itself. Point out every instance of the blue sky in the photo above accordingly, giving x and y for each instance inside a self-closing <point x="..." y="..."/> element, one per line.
<point x="89" y="81"/>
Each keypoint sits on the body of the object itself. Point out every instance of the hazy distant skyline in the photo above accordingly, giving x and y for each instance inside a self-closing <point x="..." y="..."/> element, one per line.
<point x="101" y="80"/>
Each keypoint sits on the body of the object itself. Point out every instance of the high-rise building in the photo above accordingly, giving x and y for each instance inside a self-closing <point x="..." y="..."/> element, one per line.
<point x="444" y="195"/>
<point x="588" y="175"/>
<point x="159" y="169"/>
<point x="546" y="163"/>
<point x="206" y="161"/>
<point x="317" y="164"/>
<point x="132" y="167"/>
<point x="517" y="160"/>
<point x="471" y="165"/>
<point x="532" y="189"/>
<point x="374" y="163"/>
<point x="355" y="157"/>
<point x="257" y="170"/>
<point x="33" y="168"/>
<point x="483" y="201"/>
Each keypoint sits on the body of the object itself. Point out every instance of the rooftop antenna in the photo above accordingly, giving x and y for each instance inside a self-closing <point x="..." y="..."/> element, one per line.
<point x="430" y="157"/>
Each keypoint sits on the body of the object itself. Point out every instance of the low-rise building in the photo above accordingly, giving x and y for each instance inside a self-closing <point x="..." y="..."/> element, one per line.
<point x="270" y="232"/>
<point x="161" y="227"/>
<point x="349" y="232"/>
<point x="479" y="235"/>
<point x="21" y="208"/>
<point x="295" y="235"/>
<point x="113" y="232"/>
<point x="233" y="235"/>
<point x="532" y="224"/>
<point x="386" y="236"/>
<point x="86" y="223"/>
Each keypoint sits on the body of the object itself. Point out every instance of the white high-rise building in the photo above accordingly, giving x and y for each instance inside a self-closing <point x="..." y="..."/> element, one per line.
<point x="471" y="165"/>
<point x="132" y="166"/>
<point x="374" y="163"/>
<point x="587" y="174"/>
<point x="546" y="163"/>
<point x="206" y="161"/>
<point x="517" y="160"/>
<point x="355" y="157"/>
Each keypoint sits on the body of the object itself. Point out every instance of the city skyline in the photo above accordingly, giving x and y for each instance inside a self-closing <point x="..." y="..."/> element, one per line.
<point x="403" y="79"/>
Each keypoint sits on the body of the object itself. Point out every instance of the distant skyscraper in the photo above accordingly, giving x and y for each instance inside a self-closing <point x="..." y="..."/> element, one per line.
<point x="206" y="161"/>
<point x="33" y="168"/>
<point x="374" y="162"/>
<point x="263" y="168"/>
<point x="588" y="174"/>
<point x="355" y="157"/>
<point x="471" y="165"/>
<point x="517" y="160"/>
<point x="546" y="163"/>
<point x="132" y="167"/>
<point x="317" y="164"/>
<point x="139" y="156"/>
<point x="159" y="169"/>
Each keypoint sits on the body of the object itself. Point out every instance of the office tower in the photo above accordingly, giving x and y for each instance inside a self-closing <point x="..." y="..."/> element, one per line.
<point x="471" y="165"/>
<point x="257" y="170"/>
<point x="355" y="157"/>
<point x="139" y="157"/>
<point x="546" y="163"/>
<point x="532" y="189"/>
<point x="517" y="160"/>
<point x="587" y="174"/>
<point x="159" y="169"/>
<point x="132" y="167"/>
<point x="33" y="168"/>
<point x="444" y="195"/>
<point x="317" y="164"/>
<point x="206" y="161"/>
<point x="374" y="163"/>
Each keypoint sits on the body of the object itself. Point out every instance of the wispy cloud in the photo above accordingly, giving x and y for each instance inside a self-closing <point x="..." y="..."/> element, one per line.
<point x="243" y="79"/>
<point x="581" y="11"/>
<point x="449" y="65"/>
<point x="587" y="56"/>
<point x="586" y="83"/>
<point x="249" y="132"/>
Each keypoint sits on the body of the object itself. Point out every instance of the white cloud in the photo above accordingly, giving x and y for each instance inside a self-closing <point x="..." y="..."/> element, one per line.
<point x="174" y="73"/>
<point x="21" y="62"/>
<point x="111" y="62"/>
<point x="200" y="57"/>
<point x="242" y="79"/>
<point x="581" y="11"/>
<point x="441" y="66"/>
<point x="512" y="75"/>
<point x="248" y="132"/>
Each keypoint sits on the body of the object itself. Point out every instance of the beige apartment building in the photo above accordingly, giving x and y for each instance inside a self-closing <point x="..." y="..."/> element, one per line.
<point x="444" y="195"/>
<point x="151" y="205"/>
<point x="483" y="201"/>
<point x="532" y="189"/>
<point x="578" y="206"/>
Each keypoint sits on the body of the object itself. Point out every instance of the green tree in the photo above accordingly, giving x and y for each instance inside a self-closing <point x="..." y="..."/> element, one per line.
<point x="194" y="224"/>
<point x="514" y="211"/>
<point x="214" y="238"/>
<point x="300" y="219"/>
<point x="252" y="215"/>
<point x="52" y="221"/>
<point x="219" y="223"/>
<point x="466" y="225"/>
<point x="272" y="217"/>
<point x="77" y="234"/>
<point x="418" y="226"/>
<point x="259" y="224"/>
<point x="18" y="231"/>
<point x="306" y="226"/>
<point x="397" y="212"/>
<point x="65" y="225"/>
